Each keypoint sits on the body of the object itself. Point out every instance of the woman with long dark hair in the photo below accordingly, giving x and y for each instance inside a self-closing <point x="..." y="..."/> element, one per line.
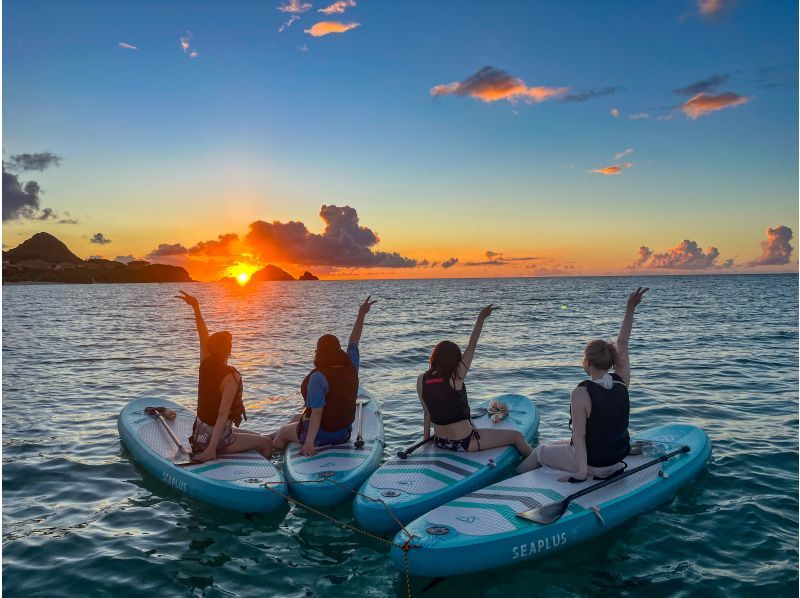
<point x="329" y="393"/>
<point x="219" y="398"/>
<point x="443" y="394"/>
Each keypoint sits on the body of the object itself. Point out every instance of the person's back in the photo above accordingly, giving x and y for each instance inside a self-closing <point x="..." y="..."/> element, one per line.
<point x="329" y="393"/>
<point x="607" y="438"/>
<point x="443" y="395"/>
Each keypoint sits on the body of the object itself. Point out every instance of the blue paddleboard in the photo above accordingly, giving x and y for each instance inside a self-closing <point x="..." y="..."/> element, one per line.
<point x="235" y="482"/>
<point x="481" y="531"/>
<point x="432" y="476"/>
<point x="335" y="472"/>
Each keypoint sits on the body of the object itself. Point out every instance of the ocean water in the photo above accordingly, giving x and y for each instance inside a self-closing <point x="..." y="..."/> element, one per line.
<point x="79" y="518"/>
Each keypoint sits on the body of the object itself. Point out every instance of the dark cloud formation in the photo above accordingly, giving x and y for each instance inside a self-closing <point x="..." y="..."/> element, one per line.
<point x="67" y="219"/>
<point x="343" y="243"/>
<point x="449" y="263"/>
<point x="38" y="161"/>
<point x="99" y="239"/>
<point x="493" y="258"/>
<point x="775" y="250"/>
<point x="21" y="200"/>
<point x="168" y="250"/>
<point x="709" y="85"/>
<point x="220" y="247"/>
<point x="776" y="77"/>
<point x="590" y="94"/>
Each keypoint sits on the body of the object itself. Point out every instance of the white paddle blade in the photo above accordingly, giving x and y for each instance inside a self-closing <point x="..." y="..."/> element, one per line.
<point x="546" y="513"/>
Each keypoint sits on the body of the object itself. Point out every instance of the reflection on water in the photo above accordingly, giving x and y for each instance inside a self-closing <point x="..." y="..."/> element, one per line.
<point x="80" y="518"/>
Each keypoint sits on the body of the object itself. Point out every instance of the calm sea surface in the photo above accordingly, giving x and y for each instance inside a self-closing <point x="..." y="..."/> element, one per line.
<point x="79" y="518"/>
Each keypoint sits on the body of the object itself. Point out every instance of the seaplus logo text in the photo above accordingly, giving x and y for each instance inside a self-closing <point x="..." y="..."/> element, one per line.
<point x="530" y="549"/>
<point x="174" y="482"/>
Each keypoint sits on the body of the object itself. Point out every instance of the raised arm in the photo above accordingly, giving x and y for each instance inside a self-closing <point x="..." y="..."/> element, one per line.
<point x="358" y="327"/>
<point x="469" y="354"/>
<point x="202" y="331"/>
<point x="622" y="367"/>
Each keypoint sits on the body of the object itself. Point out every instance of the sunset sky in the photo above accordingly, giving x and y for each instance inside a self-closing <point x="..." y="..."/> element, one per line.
<point x="434" y="139"/>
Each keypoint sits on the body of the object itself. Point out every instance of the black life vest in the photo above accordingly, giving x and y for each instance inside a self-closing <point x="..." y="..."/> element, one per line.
<point x="340" y="400"/>
<point x="445" y="404"/>
<point x="607" y="439"/>
<point x="209" y="392"/>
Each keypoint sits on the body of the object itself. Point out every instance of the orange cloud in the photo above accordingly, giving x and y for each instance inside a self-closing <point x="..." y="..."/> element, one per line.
<point x="776" y="250"/>
<point x="490" y="85"/>
<point x="686" y="255"/>
<point x="710" y="7"/>
<point x="294" y="7"/>
<point x="609" y="170"/>
<point x="328" y="27"/>
<point x="338" y="7"/>
<point x="704" y="103"/>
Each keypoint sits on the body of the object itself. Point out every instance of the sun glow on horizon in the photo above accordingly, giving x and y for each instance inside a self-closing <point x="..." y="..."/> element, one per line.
<point x="241" y="272"/>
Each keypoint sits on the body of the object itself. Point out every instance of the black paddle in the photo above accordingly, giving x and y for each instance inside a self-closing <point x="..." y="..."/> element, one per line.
<point x="479" y="412"/>
<point x="406" y="452"/>
<point x="546" y="514"/>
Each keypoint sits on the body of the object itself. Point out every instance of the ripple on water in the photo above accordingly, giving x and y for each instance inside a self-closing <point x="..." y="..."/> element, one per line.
<point x="80" y="519"/>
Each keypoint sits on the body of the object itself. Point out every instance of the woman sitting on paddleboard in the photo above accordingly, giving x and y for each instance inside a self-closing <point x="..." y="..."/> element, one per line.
<point x="329" y="392"/>
<point x="444" y="400"/>
<point x="219" y="398"/>
<point x="599" y="410"/>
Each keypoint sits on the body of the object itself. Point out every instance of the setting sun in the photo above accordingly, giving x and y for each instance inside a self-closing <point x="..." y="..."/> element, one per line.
<point x="241" y="272"/>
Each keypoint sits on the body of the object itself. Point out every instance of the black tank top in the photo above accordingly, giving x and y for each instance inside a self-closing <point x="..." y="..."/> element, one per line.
<point x="607" y="439"/>
<point x="209" y="393"/>
<point x="445" y="404"/>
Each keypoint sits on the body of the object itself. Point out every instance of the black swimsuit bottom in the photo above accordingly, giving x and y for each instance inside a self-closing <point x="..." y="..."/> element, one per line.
<point x="461" y="445"/>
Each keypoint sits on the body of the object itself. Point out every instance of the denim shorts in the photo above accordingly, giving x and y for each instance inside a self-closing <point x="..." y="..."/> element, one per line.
<point x="323" y="438"/>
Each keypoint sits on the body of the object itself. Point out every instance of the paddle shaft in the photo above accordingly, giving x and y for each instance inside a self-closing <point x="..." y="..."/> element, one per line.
<point x="604" y="483"/>
<point x="359" y="442"/>
<point x="405" y="453"/>
<point x="171" y="433"/>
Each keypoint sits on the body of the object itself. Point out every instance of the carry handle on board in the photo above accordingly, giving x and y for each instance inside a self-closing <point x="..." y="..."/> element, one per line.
<point x="549" y="513"/>
<point x="360" y="402"/>
<point x="159" y="413"/>
<point x="479" y="412"/>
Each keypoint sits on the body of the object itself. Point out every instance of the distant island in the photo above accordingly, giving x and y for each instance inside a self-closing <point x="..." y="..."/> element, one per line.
<point x="45" y="259"/>
<point x="272" y="273"/>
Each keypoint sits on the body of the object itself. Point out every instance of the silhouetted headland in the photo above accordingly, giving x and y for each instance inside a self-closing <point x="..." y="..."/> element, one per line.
<point x="45" y="259"/>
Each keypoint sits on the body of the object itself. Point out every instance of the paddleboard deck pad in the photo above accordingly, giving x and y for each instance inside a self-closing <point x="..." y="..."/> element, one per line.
<point x="235" y="482"/>
<point x="337" y="471"/>
<point x="432" y="476"/>
<point x="481" y="531"/>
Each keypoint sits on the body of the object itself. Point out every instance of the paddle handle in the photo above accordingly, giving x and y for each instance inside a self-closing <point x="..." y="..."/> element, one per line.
<point x="405" y="453"/>
<point x="603" y="484"/>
